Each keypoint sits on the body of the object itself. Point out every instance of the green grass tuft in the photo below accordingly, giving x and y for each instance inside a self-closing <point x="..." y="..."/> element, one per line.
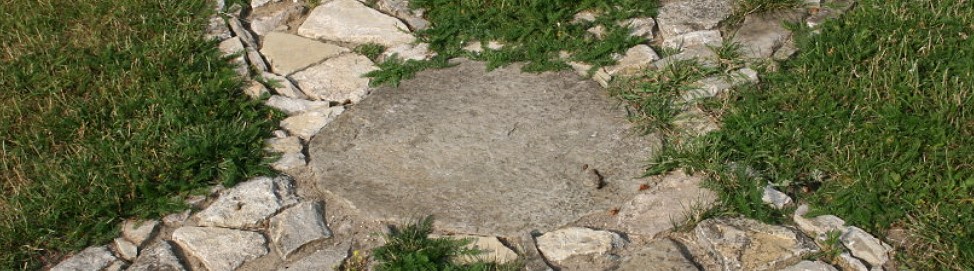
<point x="410" y="248"/>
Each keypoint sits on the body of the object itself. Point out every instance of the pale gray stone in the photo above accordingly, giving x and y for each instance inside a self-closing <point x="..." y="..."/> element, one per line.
<point x="640" y="27"/>
<point x="260" y="3"/>
<point x="351" y="21"/>
<point x="775" y="198"/>
<point x="503" y="148"/>
<point x="157" y="257"/>
<point x="702" y="38"/>
<point x="279" y="49"/>
<point x="220" y="249"/>
<point x="283" y="86"/>
<point x="673" y="200"/>
<point x="560" y="245"/>
<point x="92" y="258"/>
<point x="280" y="133"/>
<point x="324" y="259"/>
<point x="292" y="106"/>
<point x="695" y="122"/>
<point x="262" y="24"/>
<point x="787" y="50"/>
<point x="597" y="31"/>
<point x="243" y="206"/>
<point x="234" y="46"/>
<point x="256" y="60"/>
<point x="744" y="244"/>
<point x="636" y="59"/>
<point x="847" y="262"/>
<point x="290" y="161"/>
<point x="866" y="247"/>
<point x="762" y="34"/>
<point x="284" y="145"/>
<point x="255" y="90"/>
<point x="818" y="227"/>
<point x="307" y="124"/>
<point x="217" y="29"/>
<point x="117" y="265"/>
<point x="408" y="52"/>
<point x="125" y="249"/>
<point x="660" y="254"/>
<point x="240" y="31"/>
<point x="286" y="190"/>
<point x="218" y="5"/>
<point x="337" y="79"/>
<point x="810" y="266"/>
<point x="400" y="9"/>
<point x="830" y="10"/>
<point x="176" y="219"/>
<point x="138" y="231"/>
<point x="296" y="226"/>
<point x="676" y="17"/>
<point x="584" y="16"/>
<point x="491" y="249"/>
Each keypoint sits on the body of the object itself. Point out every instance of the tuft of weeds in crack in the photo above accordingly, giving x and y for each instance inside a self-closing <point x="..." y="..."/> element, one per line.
<point x="370" y="50"/>
<point x="411" y="248"/>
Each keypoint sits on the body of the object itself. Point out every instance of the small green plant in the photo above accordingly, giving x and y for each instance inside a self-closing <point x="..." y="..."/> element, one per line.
<point x="394" y="69"/>
<point x="655" y="96"/>
<point x="371" y="50"/>
<point x="411" y="248"/>
<point x="746" y="7"/>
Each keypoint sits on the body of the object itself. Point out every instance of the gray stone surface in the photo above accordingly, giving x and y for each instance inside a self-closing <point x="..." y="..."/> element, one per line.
<point x="157" y="257"/>
<point x="866" y="247"/>
<point x="698" y="39"/>
<point x="744" y="244"/>
<point x="353" y="22"/>
<point x="290" y="161"/>
<point x="292" y="106"/>
<point x="176" y="219"/>
<point x="408" y="51"/>
<point x="762" y="34"/>
<point x="400" y="9"/>
<point x="563" y="244"/>
<point x="713" y="86"/>
<point x="125" y="249"/>
<point x="635" y="60"/>
<point x="849" y="263"/>
<point x="809" y="266"/>
<point x="670" y="201"/>
<point x="775" y="198"/>
<point x="220" y="249"/>
<point x="256" y="60"/>
<point x="263" y="23"/>
<point x="255" y="90"/>
<point x="217" y="29"/>
<point x="683" y="16"/>
<point x="92" y="258"/>
<point x="490" y="153"/>
<point x="283" y="86"/>
<point x="280" y="50"/>
<point x="244" y="205"/>
<point x="337" y="79"/>
<point x="240" y="31"/>
<point x="296" y="226"/>
<point x="234" y="46"/>
<point x="324" y="259"/>
<point x="640" y="27"/>
<point x="658" y="255"/>
<point x="307" y="124"/>
<point x="284" y="145"/>
<point x="138" y="231"/>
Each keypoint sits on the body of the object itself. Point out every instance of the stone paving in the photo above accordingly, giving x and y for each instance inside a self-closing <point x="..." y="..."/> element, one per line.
<point x="541" y="167"/>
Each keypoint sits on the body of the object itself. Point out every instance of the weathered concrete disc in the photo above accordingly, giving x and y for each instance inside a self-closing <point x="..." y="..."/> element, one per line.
<point x="500" y="152"/>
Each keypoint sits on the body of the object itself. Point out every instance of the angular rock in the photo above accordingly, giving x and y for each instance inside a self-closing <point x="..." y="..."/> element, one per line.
<point x="279" y="49"/>
<point x="244" y="206"/>
<point x="560" y="245"/>
<point x="676" y="17"/>
<point x="830" y="10"/>
<point x="234" y="46"/>
<point x="125" y="249"/>
<point x="640" y="27"/>
<point x="673" y="200"/>
<point x="408" y="51"/>
<point x="157" y="257"/>
<point x="660" y="254"/>
<point x="219" y="248"/>
<point x="307" y="124"/>
<point x="262" y="24"/>
<point x="636" y="59"/>
<point x="818" y="227"/>
<point x="866" y="247"/>
<point x="284" y="145"/>
<point x="847" y="262"/>
<point x="762" y="34"/>
<point x="176" y="219"/>
<point x="584" y="16"/>
<point x="744" y="244"/>
<point x="492" y="250"/>
<point x="351" y="21"/>
<point x="255" y="90"/>
<point x="260" y="3"/>
<point x="695" y="122"/>
<point x="701" y="39"/>
<point x="296" y="226"/>
<point x="325" y="259"/>
<point x="289" y="161"/>
<point x="256" y="60"/>
<point x="283" y="86"/>
<point x="787" y="50"/>
<point x="400" y="9"/>
<point x="810" y="266"/>
<point x="240" y="31"/>
<point x="292" y="106"/>
<point x="775" y="198"/>
<point x="337" y="79"/>
<point x="217" y="29"/>
<point x="713" y="86"/>
<point x="117" y="265"/>
<point x="504" y="148"/>
<point x="138" y="232"/>
<point x="92" y="258"/>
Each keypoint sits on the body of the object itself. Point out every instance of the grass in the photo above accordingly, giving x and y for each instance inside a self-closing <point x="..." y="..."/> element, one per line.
<point x="535" y="32"/>
<point x="410" y="248"/>
<point x="110" y="110"/>
<point x="871" y="122"/>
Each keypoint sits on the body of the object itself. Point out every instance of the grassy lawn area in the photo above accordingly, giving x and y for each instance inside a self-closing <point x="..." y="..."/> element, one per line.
<point x="873" y="122"/>
<point x="110" y="110"/>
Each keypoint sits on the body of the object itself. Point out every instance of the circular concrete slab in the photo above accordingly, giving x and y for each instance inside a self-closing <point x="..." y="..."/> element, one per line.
<point x="500" y="152"/>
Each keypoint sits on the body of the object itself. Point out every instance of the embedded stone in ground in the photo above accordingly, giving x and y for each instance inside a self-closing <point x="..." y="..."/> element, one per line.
<point x="157" y="257"/>
<point x="661" y="254"/>
<point x="297" y="226"/>
<point x="279" y="49"/>
<point x="489" y="153"/>
<point x="220" y="248"/>
<point x="683" y="16"/>
<point x="744" y="244"/>
<point x="672" y="201"/>
<point x="353" y="22"/>
<point x="92" y="258"/>
<point x="762" y="34"/>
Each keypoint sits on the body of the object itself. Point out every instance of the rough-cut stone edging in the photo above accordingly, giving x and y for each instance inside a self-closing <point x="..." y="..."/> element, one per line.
<point x="244" y="212"/>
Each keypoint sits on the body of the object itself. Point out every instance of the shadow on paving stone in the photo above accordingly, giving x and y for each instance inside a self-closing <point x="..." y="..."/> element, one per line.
<point x="495" y="153"/>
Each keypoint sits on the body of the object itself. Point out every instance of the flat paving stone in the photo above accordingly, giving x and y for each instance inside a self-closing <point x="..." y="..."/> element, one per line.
<point x="490" y="153"/>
